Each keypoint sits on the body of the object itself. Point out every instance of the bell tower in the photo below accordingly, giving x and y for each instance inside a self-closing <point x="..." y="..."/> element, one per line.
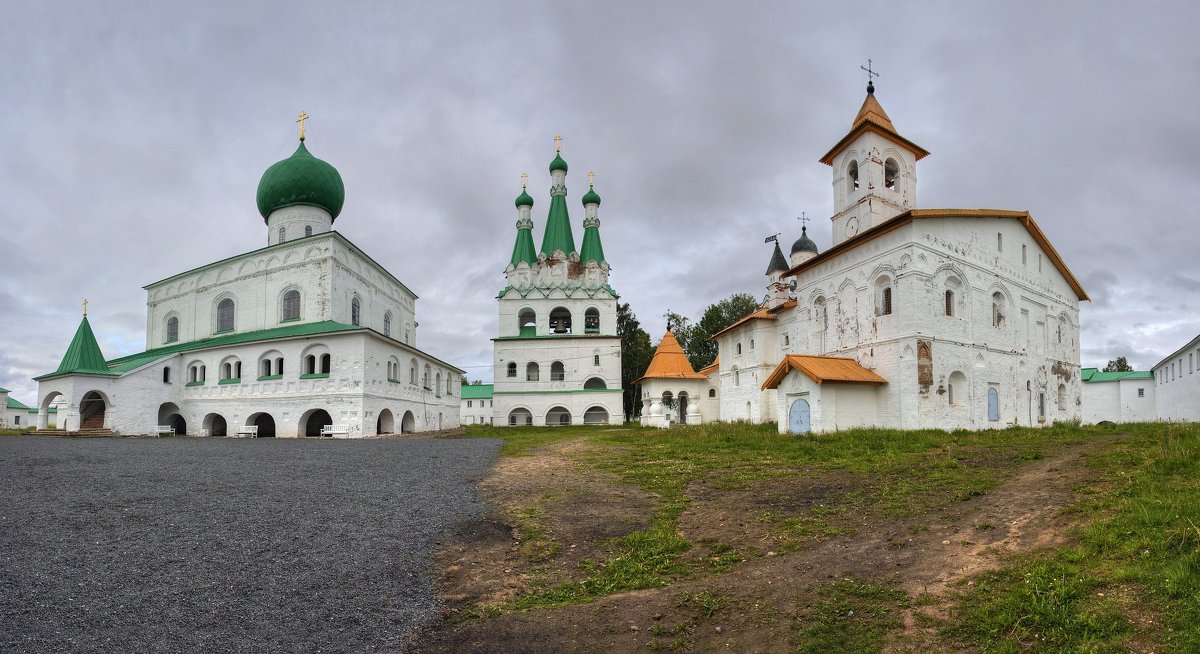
<point x="874" y="171"/>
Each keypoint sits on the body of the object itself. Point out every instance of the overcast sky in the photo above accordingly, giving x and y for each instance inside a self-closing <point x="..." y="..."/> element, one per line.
<point x="133" y="136"/>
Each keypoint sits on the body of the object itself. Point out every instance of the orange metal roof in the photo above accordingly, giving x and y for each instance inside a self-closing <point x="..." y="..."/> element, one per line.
<point x="908" y="216"/>
<point x="762" y="313"/>
<point x="669" y="362"/>
<point x="872" y="118"/>
<point x="823" y="369"/>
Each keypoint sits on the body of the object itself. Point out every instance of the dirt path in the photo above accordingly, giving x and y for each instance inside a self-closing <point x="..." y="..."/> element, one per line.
<point x="755" y="606"/>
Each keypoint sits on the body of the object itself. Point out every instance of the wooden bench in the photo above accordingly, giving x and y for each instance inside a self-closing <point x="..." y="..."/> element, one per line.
<point x="249" y="431"/>
<point x="165" y="429"/>
<point x="335" y="430"/>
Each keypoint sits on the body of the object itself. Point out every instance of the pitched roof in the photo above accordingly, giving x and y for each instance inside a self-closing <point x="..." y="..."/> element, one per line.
<point x="872" y="118"/>
<point x="762" y="313"/>
<point x="707" y="370"/>
<point x="1092" y="375"/>
<point x="823" y="369"/>
<point x="1192" y="343"/>
<point x="14" y="404"/>
<point x="477" y="391"/>
<point x="778" y="263"/>
<point x="83" y="355"/>
<point x="670" y="362"/>
<point x="913" y="214"/>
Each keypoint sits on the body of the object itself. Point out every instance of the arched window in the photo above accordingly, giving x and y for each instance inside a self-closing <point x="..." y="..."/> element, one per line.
<point x="997" y="309"/>
<point x="891" y="170"/>
<point x="387" y="324"/>
<point x="308" y="230"/>
<point x="591" y="321"/>
<point x="437" y="386"/>
<point x="412" y="372"/>
<point x="956" y="389"/>
<point x="737" y="376"/>
<point x="596" y="359"/>
<point x="355" y="311"/>
<point x="512" y="368"/>
<point x="560" y="321"/>
<point x="1062" y="397"/>
<point x="712" y="392"/>
<point x="949" y="302"/>
<point x="852" y="177"/>
<point x="527" y="323"/>
<point x="291" y="305"/>
<point x="172" y="329"/>
<point x="883" y="296"/>
<point x="264" y="367"/>
<point x="999" y="242"/>
<point x="820" y="315"/>
<point x="531" y="371"/>
<point x="167" y="375"/>
<point x="739" y="348"/>
<point x="425" y="379"/>
<point x="449" y="384"/>
<point x="225" y="315"/>
<point x="594" y="383"/>
<point x="279" y="366"/>
<point x="557" y="371"/>
<point x="325" y="360"/>
<point x="282" y="234"/>
<point x="310" y="364"/>
<point x="231" y="369"/>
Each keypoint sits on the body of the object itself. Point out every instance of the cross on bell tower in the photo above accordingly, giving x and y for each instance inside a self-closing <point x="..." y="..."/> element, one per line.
<point x="870" y="74"/>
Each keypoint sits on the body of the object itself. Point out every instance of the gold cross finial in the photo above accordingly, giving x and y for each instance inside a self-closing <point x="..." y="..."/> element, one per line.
<point x="85" y="307"/>
<point x="591" y="178"/>
<point x="557" y="143"/>
<point x="303" y="117"/>
<point x="524" y="179"/>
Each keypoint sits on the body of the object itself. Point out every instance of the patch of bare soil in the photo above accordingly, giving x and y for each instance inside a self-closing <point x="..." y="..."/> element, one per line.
<point x="756" y="605"/>
<point x="547" y="515"/>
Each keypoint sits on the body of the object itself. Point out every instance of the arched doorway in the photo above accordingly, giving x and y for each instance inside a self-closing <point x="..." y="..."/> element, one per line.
<point x="558" y="416"/>
<point x="520" y="418"/>
<point x="596" y="415"/>
<point x="91" y="411"/>
<point x="168" y="414"/>
<point x="43" y="418"/>
<point x="265" y="424"/>
<point x="408" y="424"/>
<point x="386" y="423"/>
<point x="314" y="420"/>
<point x="683" y="404"/>
<point x="214" y="425"/>
<point x="799" y="417"/>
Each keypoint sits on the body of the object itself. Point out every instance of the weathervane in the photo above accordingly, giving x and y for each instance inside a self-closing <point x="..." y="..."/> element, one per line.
<point x="303" y="117"/>
<point x="774" y="237"/>
<point x="557" y="143"/>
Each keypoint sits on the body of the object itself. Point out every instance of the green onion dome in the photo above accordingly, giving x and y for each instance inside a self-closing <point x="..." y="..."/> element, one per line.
<point x="301" y="179"/>
<point x="558" y="163"/>
<point x="523" y="200"/>
<point x="591" y="197"/>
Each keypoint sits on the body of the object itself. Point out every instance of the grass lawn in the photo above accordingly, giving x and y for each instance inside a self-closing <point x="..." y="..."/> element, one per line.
<point x="1127" y="577"/>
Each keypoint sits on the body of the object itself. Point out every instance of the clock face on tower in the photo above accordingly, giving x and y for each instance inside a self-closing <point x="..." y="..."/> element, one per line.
<point x="852" y="225"/>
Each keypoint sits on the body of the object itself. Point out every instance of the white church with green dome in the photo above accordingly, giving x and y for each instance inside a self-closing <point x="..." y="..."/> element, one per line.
<point x="557" y="354"/>
<point x="307" y="336"/>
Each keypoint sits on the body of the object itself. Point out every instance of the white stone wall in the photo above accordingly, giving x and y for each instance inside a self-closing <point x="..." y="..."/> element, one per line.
<point x="740" y="393"/>
<point x="293" y="221"/>
<point x="577" y="354"/>
<point x="656" y="414"/>
<point x="476" y="411"/>
<point x="326" y="269"/>
<point x="1177" y="388"/>
<point x="1119" y="401"/>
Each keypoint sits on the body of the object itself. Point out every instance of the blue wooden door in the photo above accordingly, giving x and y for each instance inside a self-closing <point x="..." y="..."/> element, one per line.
<point x="993" y="405"/>
<point x="798" y="417"/>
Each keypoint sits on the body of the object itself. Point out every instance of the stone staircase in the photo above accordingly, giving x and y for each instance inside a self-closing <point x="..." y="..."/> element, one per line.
<point x="91" y="432"/>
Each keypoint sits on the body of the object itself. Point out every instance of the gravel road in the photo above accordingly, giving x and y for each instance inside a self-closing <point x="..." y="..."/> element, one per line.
<point x="221" y="545"/>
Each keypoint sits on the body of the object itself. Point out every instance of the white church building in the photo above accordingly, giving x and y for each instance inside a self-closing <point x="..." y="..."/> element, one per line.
<point x="912" y="318"/>
<point x="304" y="337"/>
<point x="557" y="354"/>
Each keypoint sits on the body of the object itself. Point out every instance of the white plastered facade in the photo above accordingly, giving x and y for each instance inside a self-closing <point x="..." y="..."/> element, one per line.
<point x="1177" y="384"/>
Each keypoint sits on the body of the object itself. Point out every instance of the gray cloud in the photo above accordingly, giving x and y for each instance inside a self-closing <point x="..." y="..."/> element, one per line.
<point x="133" y="137"/>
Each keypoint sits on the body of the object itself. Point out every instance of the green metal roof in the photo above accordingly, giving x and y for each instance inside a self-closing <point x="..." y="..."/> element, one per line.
<point x="593" y="249"/>
<point x="558" y="164"/>
<point x="477" y="391"/>
<point x="301" y="179"/>
<point x="14" y="404"/>
<point x="523" y="249"/>
<point x="50" y="410"/>
<point x="1093" y="375"/>
<point x="558" y="227"/>
<point x="524" y="199"/>
<point x="83" y="356"/>
<point x="3" y="390"/>
<point x="591" y="197"/>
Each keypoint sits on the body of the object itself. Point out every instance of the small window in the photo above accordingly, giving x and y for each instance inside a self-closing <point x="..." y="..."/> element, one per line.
<point x="325" y="364"/>
<point x="172" y="329"/>
<point x="891" y="170"/>
<point x="387" y="324"/>
<point x="591" y="321"/>
<point x="752" y="344"/>
<point x="279" y="366"/>
<point x="1022" y="254"/>
<point x="512" y="369"/>
<point x="291" y="305"/>
<point x="412" y="374"/>
<point x="225" y="315"/>
<point x="950" y="303"/>
<point x="1141" y="392"/>
<point x="886" y="308"/>
<point x="786" y="340"/>
<point x="712" y="392"/>
<point x="468" y="404"/>
<point x="852" y="177"/>
<point x="739" y="348"/>
<point x="737" y="377"/>
<point x="264" y="368"/>
<point x="308" y="230"/>
<point x="355" y="312"/>
<point x="595" y="359"/>
<point x="167" y="375"/>
<point x="999" y="242"/>
<point x="998" y="310"/>
<point x="282" y="234"/>
<point x="557" y="371"/>
<point x="532" y="372"/>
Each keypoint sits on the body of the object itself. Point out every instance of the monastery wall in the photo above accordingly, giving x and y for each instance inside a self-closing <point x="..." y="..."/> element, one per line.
<point x="1177" y="389"/>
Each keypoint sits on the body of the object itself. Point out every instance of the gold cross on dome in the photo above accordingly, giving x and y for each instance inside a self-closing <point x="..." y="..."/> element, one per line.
<point x="303" y="117"/>
<point x="557" y="143"/>
<point x="524" y="180"/>
<point x="591" y="178"/>
<point x="85" y="307"/>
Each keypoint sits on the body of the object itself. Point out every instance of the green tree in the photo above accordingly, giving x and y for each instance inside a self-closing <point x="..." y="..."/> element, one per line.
<point x="636" y="353"/>
<point x="700" y="350"/>
<point x="1118" y="364"/>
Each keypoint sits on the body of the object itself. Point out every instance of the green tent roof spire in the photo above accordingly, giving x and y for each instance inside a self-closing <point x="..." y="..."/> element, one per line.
<point x="83" y="356"/>
<point x="592" y="249"/>
<point x="558" y="221"/>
